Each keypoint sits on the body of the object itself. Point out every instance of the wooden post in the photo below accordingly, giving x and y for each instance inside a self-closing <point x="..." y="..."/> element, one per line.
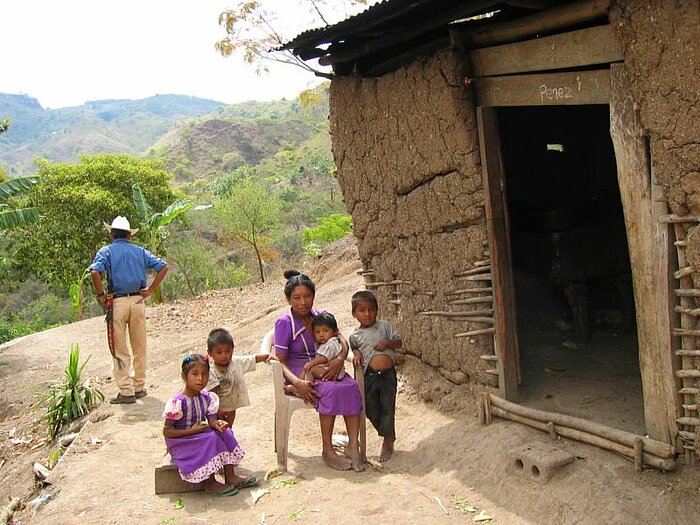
<point x="487" y="408"/>
<point x="506" y="334"/>
<point x="644" y="239"/>
<point x="638" y="454"/>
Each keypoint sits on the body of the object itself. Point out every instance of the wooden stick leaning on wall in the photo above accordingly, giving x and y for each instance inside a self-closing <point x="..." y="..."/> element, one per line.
<point x="471" y="290"/>
<point x="473" y="271"/>
<point x="473" y="313"/>
<point x="473" y="300"/>
<point x="472" y="333"/>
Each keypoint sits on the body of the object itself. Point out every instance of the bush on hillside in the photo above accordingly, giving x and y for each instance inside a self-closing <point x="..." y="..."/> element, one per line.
<point x="330" y="228"/>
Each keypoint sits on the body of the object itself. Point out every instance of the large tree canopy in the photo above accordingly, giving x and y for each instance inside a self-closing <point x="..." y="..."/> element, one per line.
<point x="75" y="199"/>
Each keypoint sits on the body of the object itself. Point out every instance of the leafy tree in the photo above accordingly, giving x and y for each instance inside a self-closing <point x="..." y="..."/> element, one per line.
<point x="256" y="33"/>
<point x="249" y="213"/>
<point x="4" y="125"/>
<point x="76" y="199"/>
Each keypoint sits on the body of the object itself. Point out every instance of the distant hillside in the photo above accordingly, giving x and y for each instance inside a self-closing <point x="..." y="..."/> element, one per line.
<point x="240" y="134"/>
<point x="104" y="126"/>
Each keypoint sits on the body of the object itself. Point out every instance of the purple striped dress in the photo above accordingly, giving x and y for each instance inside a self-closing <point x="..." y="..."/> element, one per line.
<point x="199" y="456"/>
<point x="293" y="340"/>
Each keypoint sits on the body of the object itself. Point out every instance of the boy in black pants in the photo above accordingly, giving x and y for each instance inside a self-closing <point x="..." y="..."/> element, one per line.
<point x="374" y="345"/>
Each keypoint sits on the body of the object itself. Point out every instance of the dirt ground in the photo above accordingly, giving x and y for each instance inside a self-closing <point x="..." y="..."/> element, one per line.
<point x="446" y="469"/>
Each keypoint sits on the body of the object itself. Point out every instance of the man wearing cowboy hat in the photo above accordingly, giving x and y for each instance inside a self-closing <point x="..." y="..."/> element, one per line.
<point x="126" y="265"/>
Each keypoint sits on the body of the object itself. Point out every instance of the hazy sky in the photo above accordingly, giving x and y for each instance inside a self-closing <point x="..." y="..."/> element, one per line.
<point x="66" y="52"/>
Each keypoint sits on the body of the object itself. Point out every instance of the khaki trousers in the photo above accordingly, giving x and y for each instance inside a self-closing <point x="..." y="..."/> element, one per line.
<point x="130" y="312"/>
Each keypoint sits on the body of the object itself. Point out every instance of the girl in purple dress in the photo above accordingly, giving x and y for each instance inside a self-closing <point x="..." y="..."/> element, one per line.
<point x="294" y="347"/>
<point x="199" y="443"/>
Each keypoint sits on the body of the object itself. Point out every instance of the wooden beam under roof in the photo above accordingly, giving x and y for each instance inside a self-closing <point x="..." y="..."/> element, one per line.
<point x="353" y="53"/>
<point x="547" y="21"/>
<point x="584" y="47"/>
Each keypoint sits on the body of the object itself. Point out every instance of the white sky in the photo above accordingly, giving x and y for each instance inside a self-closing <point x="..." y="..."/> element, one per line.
<point x="67" y="52"/>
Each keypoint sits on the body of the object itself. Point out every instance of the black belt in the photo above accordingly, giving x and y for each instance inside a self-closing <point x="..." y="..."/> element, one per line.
<point x="117" y="296"/>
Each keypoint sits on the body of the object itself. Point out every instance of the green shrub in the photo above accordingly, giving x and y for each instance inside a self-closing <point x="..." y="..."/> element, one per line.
<point x="69" y="399"/>
<point x="330" y="228"/>
<point x="8" y="331"/>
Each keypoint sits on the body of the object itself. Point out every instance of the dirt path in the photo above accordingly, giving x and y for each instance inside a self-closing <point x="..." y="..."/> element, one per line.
<point x="107" y="475"/>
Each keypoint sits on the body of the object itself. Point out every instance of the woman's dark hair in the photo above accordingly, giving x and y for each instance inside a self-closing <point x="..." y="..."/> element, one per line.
<point x="219" y="336"/>
<point x="363" y="296"/>
<point x="294" y="279"/>
<point x="325" y="319"/>
<point x="190" y="359"/>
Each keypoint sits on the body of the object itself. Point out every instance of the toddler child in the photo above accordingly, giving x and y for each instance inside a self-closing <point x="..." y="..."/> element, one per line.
<point x="198" y="442"/>
<point x="374" y="345"/>
<point x="226" y="375"/>
<point x="325" y="329"/>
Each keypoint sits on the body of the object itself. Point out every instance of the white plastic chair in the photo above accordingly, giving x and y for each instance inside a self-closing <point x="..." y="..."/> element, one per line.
<point x="285" y="405"/>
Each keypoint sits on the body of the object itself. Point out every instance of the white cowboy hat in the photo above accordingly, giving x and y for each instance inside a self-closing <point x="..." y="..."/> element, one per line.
<point x="121" y="223"/>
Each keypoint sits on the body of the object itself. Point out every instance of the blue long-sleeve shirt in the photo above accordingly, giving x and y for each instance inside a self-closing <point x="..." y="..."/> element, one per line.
<point x="126" y="264"/>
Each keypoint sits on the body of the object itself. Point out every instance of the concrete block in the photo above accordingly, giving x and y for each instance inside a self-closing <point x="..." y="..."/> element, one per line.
<point x="168" y="480"/>
<point x="538" y="461"/>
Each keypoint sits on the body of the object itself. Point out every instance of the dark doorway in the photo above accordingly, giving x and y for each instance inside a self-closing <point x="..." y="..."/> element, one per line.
<point x="573" y="286"/>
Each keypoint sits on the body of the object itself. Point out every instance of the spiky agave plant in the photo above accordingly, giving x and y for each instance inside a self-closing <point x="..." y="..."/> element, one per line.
<point x="68" y="399"/>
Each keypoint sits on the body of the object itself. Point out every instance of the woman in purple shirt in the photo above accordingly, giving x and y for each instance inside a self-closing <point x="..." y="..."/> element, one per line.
<point x="294" y="346"/>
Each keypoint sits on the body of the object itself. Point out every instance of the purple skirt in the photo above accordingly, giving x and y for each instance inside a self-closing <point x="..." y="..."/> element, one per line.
<point x="339" y="398"/>
<point x="199" y="456"/>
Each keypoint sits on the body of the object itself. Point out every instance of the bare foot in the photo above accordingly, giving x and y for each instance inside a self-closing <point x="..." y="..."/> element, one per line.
<point x="335" y="461"/>
<point x="387" y="450"/>
<point x="353" y="453"/>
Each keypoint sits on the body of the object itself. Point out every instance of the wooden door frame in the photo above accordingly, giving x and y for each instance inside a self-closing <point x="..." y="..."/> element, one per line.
<point x="647" y="239"/>
<point x="505" y="338"/>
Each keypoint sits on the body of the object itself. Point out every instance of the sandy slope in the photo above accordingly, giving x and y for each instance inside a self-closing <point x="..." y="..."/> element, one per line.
<point x="106" y="476"/>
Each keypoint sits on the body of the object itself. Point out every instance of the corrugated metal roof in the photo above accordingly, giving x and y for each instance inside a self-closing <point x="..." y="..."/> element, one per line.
<point x="365" y="19"/>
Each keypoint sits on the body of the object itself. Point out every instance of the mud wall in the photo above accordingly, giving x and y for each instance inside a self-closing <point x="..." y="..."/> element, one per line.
<point x="660" y="40"/>
<point x="406" y="148"/>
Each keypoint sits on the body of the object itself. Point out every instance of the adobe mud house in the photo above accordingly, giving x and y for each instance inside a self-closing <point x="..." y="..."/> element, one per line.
<point x="525" y="187"/>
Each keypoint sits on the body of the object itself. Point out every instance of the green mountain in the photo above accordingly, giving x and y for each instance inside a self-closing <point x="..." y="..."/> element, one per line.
<point x="104" y="126"/>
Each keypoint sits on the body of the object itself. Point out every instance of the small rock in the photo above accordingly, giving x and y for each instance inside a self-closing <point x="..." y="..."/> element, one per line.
<point x="67" y="439"/>
<point x="40" y="471"/>
<point x="40" y="500"/>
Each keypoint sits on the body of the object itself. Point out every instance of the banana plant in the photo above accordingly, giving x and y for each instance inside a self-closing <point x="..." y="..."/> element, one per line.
<point x="77" y="297"/>
<point x="21" y="216"/>
<point x="153" y="224"/>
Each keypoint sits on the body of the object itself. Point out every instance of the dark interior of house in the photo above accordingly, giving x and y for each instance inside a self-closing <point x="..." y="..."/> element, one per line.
<point x="574" y="296"/>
